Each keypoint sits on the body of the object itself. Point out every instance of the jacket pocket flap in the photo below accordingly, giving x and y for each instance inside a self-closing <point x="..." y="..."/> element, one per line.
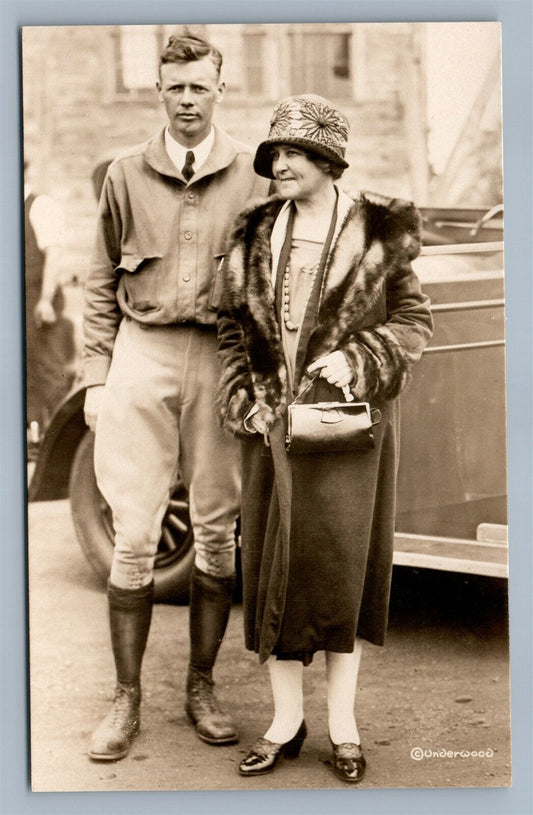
<point x="132" y="263"/>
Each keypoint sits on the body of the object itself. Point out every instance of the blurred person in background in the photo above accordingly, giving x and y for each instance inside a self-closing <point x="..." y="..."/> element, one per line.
<point x="50" y="347"/>
<point x="151" y="369"/>
<point x="320" y="296"/>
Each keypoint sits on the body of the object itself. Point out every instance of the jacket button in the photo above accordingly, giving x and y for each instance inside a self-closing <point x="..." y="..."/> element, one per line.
<point x="186" y="277"/>
<point x="187" y="236"/>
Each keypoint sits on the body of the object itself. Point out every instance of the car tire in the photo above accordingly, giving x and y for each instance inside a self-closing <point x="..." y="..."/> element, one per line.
<point x="91" y="516"/>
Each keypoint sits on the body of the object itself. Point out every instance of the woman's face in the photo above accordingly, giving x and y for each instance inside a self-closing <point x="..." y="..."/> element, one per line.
<point x="298" y="177"/>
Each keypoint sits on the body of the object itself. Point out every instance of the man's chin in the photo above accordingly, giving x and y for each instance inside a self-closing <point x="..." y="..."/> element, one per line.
<point x="185" y="131"/>
<point x="188" y="128"/>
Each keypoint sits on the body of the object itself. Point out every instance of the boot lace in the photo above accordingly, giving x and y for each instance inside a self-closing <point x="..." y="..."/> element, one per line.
<point x="123" y="707"/>
<point x="203" y="696"/>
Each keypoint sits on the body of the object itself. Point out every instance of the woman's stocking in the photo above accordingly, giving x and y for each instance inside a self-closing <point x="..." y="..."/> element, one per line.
<point x="341" y="673"/>
<point x="286" y="678"/>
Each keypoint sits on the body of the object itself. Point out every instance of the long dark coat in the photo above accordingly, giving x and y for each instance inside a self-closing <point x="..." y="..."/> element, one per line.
<point x="317" y="531"/>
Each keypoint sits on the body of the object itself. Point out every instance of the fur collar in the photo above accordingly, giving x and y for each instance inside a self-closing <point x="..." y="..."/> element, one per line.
<point x="374" y="236"/>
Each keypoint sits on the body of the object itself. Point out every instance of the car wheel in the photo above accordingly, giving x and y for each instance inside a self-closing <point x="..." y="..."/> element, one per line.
<point x="91" y="516"/>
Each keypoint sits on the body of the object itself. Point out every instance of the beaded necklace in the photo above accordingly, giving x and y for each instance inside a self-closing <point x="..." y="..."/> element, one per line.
<point x="311" y="270"/>
<point x="283" y="272"/>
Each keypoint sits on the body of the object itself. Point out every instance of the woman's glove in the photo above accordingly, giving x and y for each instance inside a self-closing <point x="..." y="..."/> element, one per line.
<point x="334" y="367"/>
<point x="258" y="420"/>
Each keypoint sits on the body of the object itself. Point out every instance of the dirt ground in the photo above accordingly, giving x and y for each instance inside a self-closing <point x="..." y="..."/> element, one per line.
<point x="438" y="689"/>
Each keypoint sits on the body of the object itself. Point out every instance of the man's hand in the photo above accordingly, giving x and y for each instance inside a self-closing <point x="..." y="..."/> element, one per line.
<point x="44" y="313"/>
<point x="333" y="367"/>
<point x="93" y="400"/>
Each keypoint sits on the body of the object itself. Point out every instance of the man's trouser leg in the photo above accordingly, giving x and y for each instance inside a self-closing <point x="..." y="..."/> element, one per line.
<point x="136" y="451"/>
<point x="209" y="464"/>
<point x="158" y="410"/>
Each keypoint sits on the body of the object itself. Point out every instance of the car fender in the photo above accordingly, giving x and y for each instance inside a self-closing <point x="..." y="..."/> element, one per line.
<point x="50" y="480"/>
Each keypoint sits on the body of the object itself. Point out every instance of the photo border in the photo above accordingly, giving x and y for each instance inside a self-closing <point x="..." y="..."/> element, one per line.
<point x="516" y="19"/>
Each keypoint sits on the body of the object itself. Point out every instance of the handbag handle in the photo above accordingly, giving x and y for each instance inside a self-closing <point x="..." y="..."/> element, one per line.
<point x="375" y="413"/>
<point x="348" y="395"/>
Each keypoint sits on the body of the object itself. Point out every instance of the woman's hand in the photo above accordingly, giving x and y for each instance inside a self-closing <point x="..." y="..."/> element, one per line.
<point x="334" y="367"/>
<point x="258" y="423"/>
<point x="258" y="419"/>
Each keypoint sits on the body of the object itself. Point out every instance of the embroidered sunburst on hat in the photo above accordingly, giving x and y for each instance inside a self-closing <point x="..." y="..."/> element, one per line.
<point x="307" y="121"/>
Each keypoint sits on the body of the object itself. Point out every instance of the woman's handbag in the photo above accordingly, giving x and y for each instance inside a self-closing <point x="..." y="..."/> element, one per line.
<point x="330" y="427"/>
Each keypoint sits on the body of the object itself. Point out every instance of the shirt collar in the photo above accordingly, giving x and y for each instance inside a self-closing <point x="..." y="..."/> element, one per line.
<point x="177" y="152"/>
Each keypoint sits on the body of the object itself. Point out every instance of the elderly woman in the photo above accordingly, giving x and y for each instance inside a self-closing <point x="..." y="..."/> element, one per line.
<point x="318" y="285"/>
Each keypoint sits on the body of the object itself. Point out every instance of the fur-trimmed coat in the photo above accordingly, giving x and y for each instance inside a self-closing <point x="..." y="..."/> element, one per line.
<point x="317" y="531"/>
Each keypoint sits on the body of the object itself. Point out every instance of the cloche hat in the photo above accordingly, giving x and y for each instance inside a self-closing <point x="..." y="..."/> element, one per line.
<point x="307" y="121"/>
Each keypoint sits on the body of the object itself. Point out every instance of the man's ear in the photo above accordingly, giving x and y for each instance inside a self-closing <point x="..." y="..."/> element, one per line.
<point x="221" y="87"/>
<point x="159" y="91"/>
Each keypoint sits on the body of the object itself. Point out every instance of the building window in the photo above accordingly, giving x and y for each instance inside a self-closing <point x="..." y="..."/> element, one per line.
<point x="320" y="63"/>
<point x="254" y="62"/>
<point x="136" y="52"/>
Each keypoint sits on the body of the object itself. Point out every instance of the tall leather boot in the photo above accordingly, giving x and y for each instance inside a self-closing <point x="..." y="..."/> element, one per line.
<point x="130" y="614"/>
<point x="209" y="608"/>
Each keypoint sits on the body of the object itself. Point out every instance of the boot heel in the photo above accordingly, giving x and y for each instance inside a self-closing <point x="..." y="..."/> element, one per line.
<point x="291" y="749"/>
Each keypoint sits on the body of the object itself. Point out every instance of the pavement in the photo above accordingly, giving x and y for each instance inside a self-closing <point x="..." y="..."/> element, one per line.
<point x="432" y="705"/>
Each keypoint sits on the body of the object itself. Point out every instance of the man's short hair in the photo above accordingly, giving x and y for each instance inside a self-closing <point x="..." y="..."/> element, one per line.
<point x="189" y="48"/>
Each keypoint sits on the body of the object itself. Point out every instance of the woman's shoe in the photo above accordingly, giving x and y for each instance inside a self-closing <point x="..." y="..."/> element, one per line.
<point x="348" y="762"/>
<point x="264" y="755"/>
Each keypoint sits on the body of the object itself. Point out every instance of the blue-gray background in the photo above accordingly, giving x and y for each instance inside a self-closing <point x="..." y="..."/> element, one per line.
<point x="516" y="17"/>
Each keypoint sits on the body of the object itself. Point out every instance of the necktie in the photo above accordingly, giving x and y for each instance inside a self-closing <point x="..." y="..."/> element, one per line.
<point x="187" y="170"/>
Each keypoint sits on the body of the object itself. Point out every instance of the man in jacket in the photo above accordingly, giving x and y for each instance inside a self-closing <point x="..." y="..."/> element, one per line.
<point x="151" y="369"/>
<point x="50" y="347"/>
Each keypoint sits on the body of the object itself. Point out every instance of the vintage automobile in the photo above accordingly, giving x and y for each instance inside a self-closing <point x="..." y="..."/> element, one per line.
<point x="451" y="507"/>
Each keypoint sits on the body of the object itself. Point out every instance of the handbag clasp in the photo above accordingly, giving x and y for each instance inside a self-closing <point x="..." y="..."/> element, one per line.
<point x="331" y="416"/>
